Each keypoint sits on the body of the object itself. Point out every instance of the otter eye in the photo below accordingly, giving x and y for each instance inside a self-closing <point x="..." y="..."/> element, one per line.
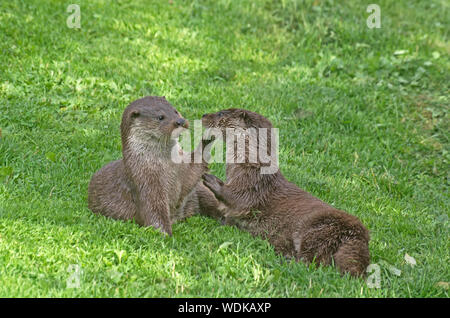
<point x="220" y="114"/>
<point x="161" y="117"/>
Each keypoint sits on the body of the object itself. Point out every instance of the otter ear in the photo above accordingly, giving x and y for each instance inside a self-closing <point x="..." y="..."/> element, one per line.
<point x="135" y="113"/>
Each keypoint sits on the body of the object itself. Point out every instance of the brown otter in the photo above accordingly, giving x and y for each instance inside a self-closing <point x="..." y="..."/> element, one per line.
<point x="296" y="223"/>
<point x="147" y="184"/>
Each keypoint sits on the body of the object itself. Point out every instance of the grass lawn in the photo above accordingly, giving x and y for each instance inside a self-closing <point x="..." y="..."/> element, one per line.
<point x="362" y="115"/>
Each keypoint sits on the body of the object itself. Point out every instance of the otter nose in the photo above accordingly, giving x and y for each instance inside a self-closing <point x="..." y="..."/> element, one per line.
<point x="204" y="115"/>
<point x="181" y="122"/>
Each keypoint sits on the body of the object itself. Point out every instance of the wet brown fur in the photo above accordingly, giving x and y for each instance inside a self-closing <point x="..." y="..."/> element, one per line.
<point x="146" y="185"/>
<point x="298" y="224"/>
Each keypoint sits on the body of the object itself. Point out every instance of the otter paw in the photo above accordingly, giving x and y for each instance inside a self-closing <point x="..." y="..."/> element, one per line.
<point x="213" y="183"/>
<point x="212" y="179"/>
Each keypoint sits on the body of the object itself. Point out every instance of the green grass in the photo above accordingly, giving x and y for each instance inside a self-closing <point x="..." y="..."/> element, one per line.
<point x="362" y="113"/>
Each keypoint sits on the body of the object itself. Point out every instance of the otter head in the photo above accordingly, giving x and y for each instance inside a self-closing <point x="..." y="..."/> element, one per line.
<point x="235" y="118"/>
<point x="152" y="118"/>
<point x="246" y="142"/>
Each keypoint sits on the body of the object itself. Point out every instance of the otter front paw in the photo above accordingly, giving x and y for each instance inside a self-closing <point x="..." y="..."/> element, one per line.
<point x="156" y="220"/>
<point x="214" y="184"/>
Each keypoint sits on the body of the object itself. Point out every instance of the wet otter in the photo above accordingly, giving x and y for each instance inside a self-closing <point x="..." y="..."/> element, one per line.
<point x="146" y="184"/>
<point x="296" y="223"/>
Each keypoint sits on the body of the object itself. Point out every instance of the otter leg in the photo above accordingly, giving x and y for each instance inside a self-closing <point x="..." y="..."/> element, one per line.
<point x="152" y="201"/>
<point x="187" y="208"/>
<point x="215" y="185"/>
<point x="333" y="236"/>
<point x="232" y="208"/>
<point x="208" y="203"/>
<point x="153" y="211"/>
<point x="109" y="193"/>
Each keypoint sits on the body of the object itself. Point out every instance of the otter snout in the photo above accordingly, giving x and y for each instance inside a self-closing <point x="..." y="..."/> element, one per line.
<point x="182" y="123"/>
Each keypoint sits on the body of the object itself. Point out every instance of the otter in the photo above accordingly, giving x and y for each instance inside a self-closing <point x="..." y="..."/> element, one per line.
<point x="147" y="185"/>
<point x="296" y="223"/>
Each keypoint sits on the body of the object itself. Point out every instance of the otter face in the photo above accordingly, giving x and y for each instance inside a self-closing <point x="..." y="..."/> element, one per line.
<point x="154" y="117"/>
<point x="227" y="118"/>
<point x="235" y="118"/>
<point x="249" y="136"/>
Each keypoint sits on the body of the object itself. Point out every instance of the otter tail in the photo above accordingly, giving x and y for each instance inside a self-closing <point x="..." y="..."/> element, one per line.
<point x="334" y="236"/>
<point x="352" y="257"/>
